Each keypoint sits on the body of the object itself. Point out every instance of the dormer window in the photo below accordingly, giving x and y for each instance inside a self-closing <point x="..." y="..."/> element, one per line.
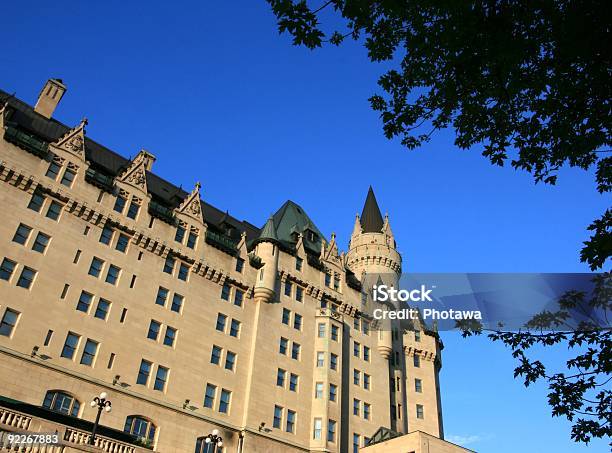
<point x="180" y="234"/>
<point x="119" y="204"/>
<point x="311" y="236"/>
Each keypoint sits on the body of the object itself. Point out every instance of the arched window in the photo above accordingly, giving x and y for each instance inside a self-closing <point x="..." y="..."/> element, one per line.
<point x="62" y="402"/>
<point x="202" y="446"/>
<point x="140" y="427"/>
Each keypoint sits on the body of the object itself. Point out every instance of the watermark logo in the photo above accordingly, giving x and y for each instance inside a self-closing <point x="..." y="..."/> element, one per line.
<point x="384" y="293"/>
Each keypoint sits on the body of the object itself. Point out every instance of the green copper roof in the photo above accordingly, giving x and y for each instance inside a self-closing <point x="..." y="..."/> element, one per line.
<point x="285" y="225"/>
<point x="268" y="232"/>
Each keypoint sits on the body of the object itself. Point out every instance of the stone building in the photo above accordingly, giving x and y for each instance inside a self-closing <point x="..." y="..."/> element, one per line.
<point x="113" y="279"/>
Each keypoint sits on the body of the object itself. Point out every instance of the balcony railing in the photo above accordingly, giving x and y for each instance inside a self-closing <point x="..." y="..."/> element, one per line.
<point x="162" y="213"/>
<point x="99" y="180"/>
<point x="29" y="142"/>
<point x="221" y="241"/>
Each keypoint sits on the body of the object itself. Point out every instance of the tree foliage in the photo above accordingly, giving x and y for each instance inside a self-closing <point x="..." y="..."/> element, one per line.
<point x="525" y="82"/>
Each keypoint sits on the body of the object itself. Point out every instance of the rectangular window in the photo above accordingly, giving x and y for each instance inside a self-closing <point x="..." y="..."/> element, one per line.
<point x="278" y="415"/>
<point x="77" y="257"/>
<point x="419" y="411"/>
<point x="177" y="303"/>
<point x="224" y="401"/>
<point x="321" y="330"/>
<point x="221" y="320"/>
<point x="41" y="242"/>
<point x="144" y="372"/>
<point x="366" y="353"/>
<point x="53" y="171"/>
<point x="318" y="390"/>
<point x="366" y="381"/>
<point x="113" y="274"/>
<point x="225" y="292"/>
<point x="320" y="359"/>
<point x="280" y="377"/>
<point x="356" y="377"/>
<point x="299" y="293"/>
<point x="334" y="333"/>
<point x="123" y="315"/>
<point x="297" y="322"/>
<point x="356" y="323"/>
<point x="416" y="360"/>
<point x="333" y="392"/>
<point x="288" y="287"/>
<point x="298" y="263"/>
<point x="122" y="243"/>
<point x="290" y="426"/>
<point x="215" y="355"/>
<point x="209" y="396"/>
<point x="111" y="361"/>
<point x="119" y="204"/>
<point x="162" y="296"/>
<point x="327" y="280"/>
<point x="336" y="282"/>
<point x="317" y="428"/>
<point x="180" y="234"/>
<point x="154" y="328"/>
<point x="356" y="349"/>
<point x="366" y="411"/>
<point x="22" y="234"/>
<point x="161" y="377"/>
<point x="286" y="316"/>
<point x="192" y="239"/>
<point x="47" y="338"/>
<point x="239" y="265"/>
<point x="96" y="267"/>
<point x="417" y="335"/>
<point x="331" y="431"/>
<point x="89" y="352"/>
<point x="36" y="202"/>
<point x="169" y="265"/>
<point x="356" y="406"/>
<point x="238" y="297"/>
<point x="68" y="177"/>
<point x="54" y="210"/>
<point x="418" y="386"/>
<point x="295" y="351"/>
<point x="183" y="272"/>
<point x="333" y="361"/>
<point x="170" y="336"/>
<point x="283" y="346"/>
<point x="234" y="328"/>
<point x="6" y="269"/>
<point x="133" y="210"/>
<point x="293" y="382"/>
<point x="365" y="327"/>
<point x="230" y="360"/>
<point x="8" y="323"/>
<point x="107" y="235"/>
<point x="26" y="278"/>
<point x="70" y="345"/>
<point x="84" y="302"/>
<point x="355" y="443"/>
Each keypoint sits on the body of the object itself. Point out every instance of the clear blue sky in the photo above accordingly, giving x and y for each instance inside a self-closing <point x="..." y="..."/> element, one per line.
<point x="218" y="96"/>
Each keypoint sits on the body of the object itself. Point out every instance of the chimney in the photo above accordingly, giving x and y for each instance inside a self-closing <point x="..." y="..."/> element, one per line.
<point x="49" y="97"/>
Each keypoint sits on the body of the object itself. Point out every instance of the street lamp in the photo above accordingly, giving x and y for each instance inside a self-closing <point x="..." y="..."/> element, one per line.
<point x="214" y="439"/>
<point x="103" y="404"/>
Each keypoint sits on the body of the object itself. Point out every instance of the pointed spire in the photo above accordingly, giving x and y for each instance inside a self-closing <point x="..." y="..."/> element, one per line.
<point x="371" y="219"/>
<point x="268" y="232"/>
<point x="357" y="226"/>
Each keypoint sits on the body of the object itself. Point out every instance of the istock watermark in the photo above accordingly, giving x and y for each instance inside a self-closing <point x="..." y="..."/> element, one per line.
<point x="494" y="299"/>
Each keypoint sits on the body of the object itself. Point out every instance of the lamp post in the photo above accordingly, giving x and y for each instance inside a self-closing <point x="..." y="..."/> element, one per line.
<point x="103" y="404"/>
<point x="214" y="439"/>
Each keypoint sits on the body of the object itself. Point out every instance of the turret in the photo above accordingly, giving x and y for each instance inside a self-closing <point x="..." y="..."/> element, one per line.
<point x="373" y="256"/>
<point x="267" y="249"/>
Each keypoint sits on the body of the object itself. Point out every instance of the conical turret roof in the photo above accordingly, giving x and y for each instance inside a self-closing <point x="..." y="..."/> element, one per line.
<point x="268" y="233"/>
<point x="371" y="219"/>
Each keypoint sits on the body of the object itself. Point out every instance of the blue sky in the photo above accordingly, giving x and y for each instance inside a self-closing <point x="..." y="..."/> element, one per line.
<point x="218" y="96"/>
